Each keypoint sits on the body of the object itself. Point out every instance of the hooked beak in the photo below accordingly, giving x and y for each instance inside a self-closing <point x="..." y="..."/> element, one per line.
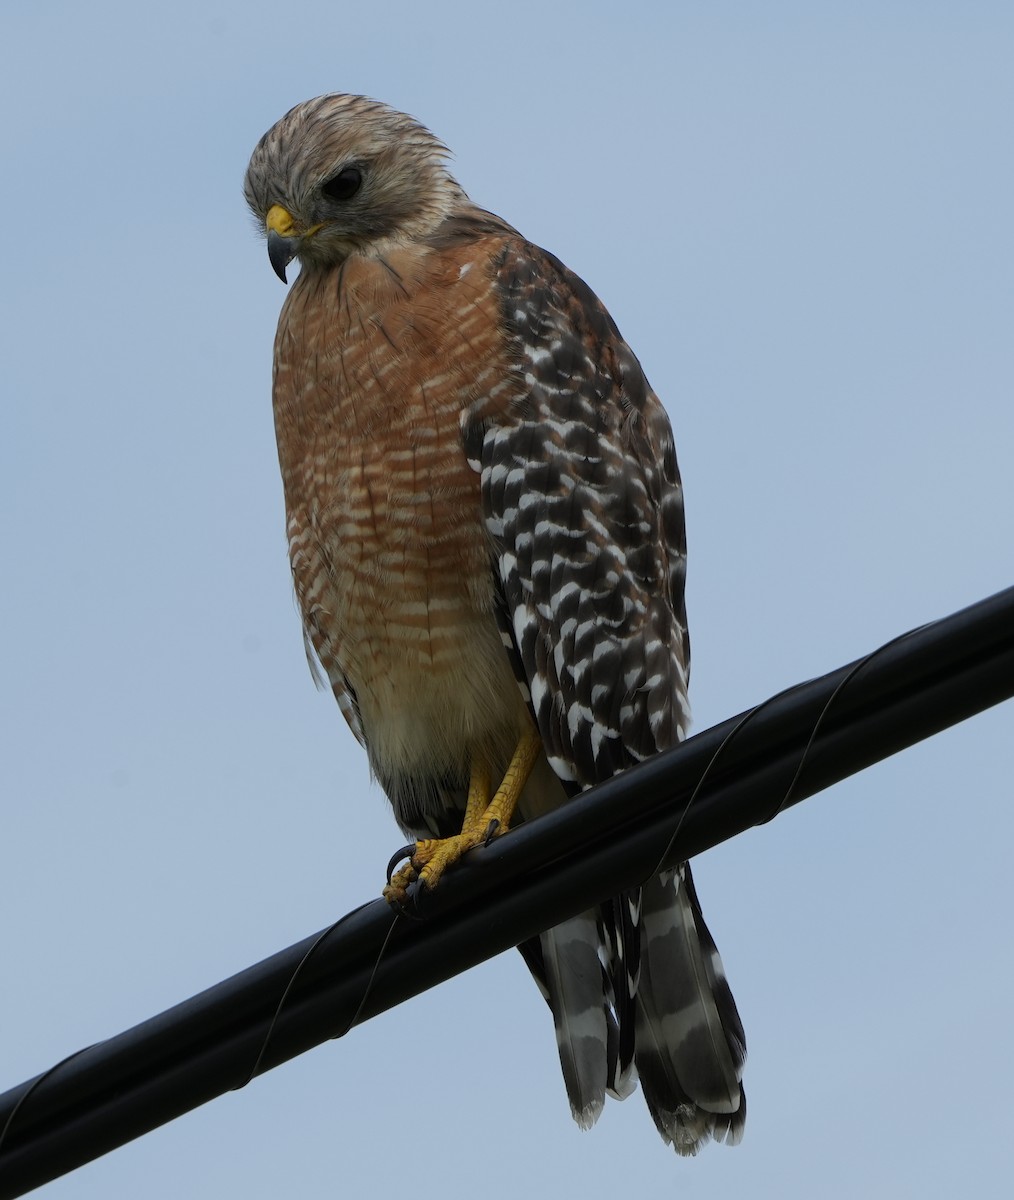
<point x="283" y="240"/>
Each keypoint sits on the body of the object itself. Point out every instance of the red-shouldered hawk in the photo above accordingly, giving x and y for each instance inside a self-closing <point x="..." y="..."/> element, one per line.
<point x="485" y="524"/>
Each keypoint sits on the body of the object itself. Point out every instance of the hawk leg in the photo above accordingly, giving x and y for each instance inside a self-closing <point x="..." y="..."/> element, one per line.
<point x="485" y="819"/>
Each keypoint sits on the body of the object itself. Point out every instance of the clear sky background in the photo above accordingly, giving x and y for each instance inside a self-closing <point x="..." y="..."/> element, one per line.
<point x="801" y="217"/>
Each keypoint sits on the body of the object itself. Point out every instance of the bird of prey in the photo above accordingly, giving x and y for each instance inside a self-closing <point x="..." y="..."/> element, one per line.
<point x="485" y="527"/>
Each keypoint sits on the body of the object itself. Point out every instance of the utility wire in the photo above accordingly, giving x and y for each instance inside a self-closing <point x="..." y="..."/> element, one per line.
<point x="717" y="784"/>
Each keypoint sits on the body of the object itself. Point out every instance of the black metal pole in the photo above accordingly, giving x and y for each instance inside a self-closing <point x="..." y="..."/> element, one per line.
<point x="717" y="784"/>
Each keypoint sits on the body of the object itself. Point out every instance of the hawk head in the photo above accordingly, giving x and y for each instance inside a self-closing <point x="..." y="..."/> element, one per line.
<point x="341" y="174"/>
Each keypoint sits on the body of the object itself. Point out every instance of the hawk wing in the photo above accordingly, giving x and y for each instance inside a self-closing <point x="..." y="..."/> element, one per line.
<point x="582" y="499"/>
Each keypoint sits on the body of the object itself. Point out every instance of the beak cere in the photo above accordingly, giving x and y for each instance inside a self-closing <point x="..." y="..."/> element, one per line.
<point x="282" y="250"/>
<point x="283" y="240"/>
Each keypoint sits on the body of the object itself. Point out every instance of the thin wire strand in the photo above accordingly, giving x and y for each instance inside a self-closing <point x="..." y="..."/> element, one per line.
<point x="824" y="711"/>
<point x="747" y="717"/>
<point x="318" y="941"/>
<point x="704" y="774"/>
<point x="373" y="976"/>
<point x="34" y="1085"/>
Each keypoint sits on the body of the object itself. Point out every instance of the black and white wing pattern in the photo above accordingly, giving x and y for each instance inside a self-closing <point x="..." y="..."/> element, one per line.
<point x="582" y="496"/>
<point x="582" y="500"/>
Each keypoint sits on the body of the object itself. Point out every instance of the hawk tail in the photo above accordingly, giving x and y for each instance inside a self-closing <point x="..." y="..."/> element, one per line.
<point x="585" y="1031"/>
<point x="690" y="1046"/>
<point x="637" y="990"/>
<point x="587" y="971"/>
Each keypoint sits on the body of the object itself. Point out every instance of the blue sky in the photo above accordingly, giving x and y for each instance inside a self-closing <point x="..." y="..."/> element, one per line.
<point x="800" y="217"/>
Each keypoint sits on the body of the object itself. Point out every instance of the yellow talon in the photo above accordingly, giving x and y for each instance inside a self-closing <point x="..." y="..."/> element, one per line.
<point x="484" y="819"/>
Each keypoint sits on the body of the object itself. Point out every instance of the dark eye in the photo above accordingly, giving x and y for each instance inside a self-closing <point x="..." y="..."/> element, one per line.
<point x="344" y="185"/>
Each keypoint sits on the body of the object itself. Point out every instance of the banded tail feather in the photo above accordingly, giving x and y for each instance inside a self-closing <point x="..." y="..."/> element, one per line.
<point x="638" y="991"/>
<point x="691" y="1048"/>
<point x="577" y="997"/>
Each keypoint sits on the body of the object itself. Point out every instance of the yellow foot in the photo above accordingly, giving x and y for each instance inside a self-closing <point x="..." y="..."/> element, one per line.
<point x="431" y="858"/>
<point x="484" y="820"/>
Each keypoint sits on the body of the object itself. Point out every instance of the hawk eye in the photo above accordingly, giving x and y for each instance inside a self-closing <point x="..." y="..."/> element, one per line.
<point x="344" y="185"/>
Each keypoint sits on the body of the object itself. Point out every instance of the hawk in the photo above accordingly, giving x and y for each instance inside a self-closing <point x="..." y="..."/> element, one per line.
<point x="485" y="527"/>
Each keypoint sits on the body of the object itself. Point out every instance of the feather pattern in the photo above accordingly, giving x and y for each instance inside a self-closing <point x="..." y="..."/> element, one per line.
<point x="583" y="503"/>
<point x="574" y="983"/>
<point x="620" y="953"/>
<point x="690" y="1046"/>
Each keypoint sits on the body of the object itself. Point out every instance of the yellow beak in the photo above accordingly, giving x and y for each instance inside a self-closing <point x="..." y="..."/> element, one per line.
<point x="283" y="239"/>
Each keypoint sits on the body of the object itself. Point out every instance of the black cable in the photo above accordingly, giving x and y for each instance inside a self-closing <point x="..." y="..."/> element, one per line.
<point x="717" y="784"/>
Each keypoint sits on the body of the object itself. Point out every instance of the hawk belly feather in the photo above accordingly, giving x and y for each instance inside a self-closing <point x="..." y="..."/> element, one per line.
<point x="485" y="526"/>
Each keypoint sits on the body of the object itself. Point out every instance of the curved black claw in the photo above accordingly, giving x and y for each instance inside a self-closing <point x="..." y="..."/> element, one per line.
<point x="409" y="907"/>
<point x="491" y="829"/>
<point x="404" y="852"/>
